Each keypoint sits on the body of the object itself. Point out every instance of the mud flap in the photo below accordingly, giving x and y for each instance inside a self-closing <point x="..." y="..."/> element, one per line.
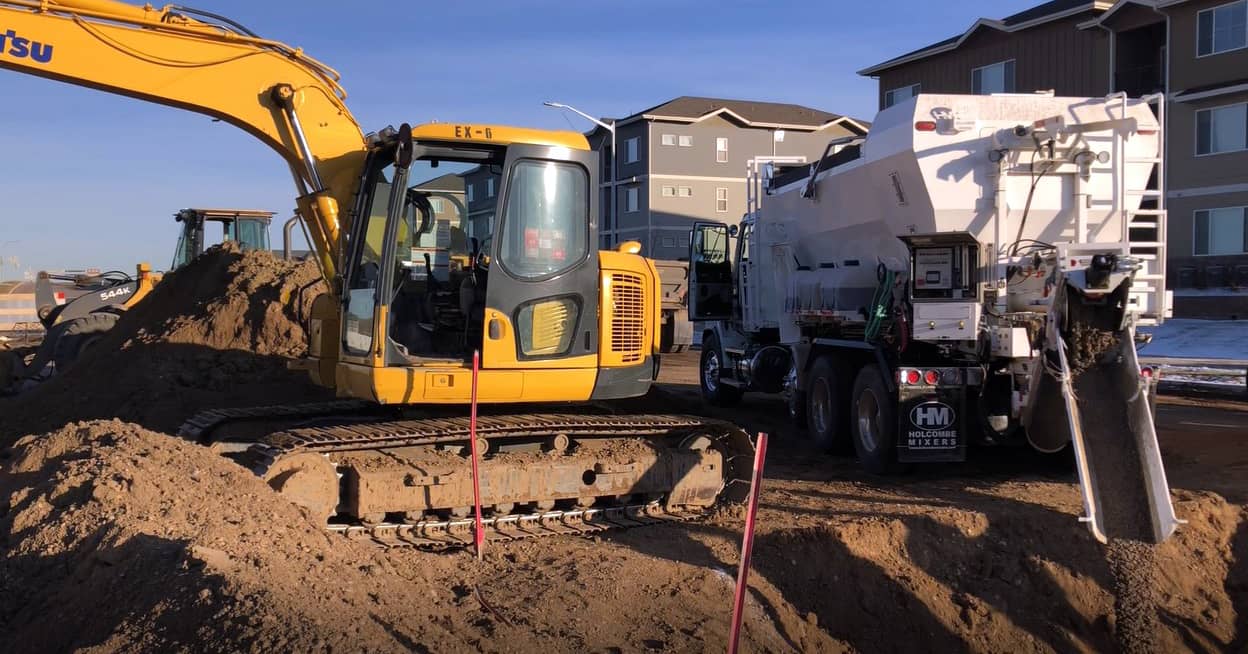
<point x="1091" y="377"/>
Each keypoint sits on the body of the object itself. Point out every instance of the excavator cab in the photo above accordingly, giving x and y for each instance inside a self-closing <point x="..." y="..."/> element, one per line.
<point x="515" y="276"/>
<point x="247" y="227"/>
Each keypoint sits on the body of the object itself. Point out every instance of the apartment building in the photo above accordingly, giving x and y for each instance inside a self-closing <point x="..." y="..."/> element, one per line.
<point x="687" y="159"/>
<point x="1196" y="51"/>
<point x="1041" y="48"/>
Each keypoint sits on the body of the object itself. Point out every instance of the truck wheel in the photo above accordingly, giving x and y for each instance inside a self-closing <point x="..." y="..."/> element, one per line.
<point x="79" y="335"/>
<point x="797" y="408"/>
<point x="710" y="373"/>
<point x="826" y="405"/>
<point x="874" y="423"/>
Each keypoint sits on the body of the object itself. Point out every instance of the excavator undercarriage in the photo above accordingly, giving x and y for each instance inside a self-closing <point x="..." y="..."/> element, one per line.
<point x="406" y="480"/>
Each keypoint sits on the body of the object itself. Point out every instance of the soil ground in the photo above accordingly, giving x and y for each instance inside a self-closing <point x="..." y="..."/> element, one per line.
<point x="116" y="538"/>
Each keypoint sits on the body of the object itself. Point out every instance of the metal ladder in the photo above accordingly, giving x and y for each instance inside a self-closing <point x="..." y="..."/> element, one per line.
<point x="1148" y="288"/>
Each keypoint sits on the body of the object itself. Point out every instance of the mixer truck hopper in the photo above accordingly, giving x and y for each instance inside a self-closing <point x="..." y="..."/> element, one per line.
<point x="972" y="272"/>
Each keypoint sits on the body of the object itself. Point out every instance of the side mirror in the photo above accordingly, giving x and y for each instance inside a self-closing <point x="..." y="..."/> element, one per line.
<point x="732" y="230"/>
<point x="403" y="150"/>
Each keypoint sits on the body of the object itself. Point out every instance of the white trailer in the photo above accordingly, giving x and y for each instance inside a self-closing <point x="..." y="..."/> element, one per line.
<point x="970" y="272"/>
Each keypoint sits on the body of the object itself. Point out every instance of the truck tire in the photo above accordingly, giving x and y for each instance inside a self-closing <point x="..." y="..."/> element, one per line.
<point x="827" y="404"/>
<point x="796" y="401"/>
<point x="710" y="372"/>
<point x="874" y="422"/>
<point x="79" y="335"/>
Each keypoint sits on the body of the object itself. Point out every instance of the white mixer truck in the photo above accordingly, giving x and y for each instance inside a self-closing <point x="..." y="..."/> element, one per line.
<point x="972" y="272"/>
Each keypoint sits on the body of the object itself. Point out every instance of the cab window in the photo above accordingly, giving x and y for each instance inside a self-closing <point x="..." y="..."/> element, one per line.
<point x="545" y="219"/>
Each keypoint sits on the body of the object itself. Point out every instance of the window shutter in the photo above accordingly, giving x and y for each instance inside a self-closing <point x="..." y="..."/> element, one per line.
<point x="1009" y="76"/>
<point x="1201" y="244"/>
<point x="1204" y="131"/>
<point x="977" y="81"/>
<point x="1204" y="33"/>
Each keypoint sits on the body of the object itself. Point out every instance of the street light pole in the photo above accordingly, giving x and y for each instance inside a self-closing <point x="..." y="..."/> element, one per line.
<point x="610" y="128"/>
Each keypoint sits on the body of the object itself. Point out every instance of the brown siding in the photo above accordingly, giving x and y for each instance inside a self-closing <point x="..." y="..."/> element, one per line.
<point x="1185" y="169"/>
<point x="1055" y="55"/>
<point x="1186" y="70"/>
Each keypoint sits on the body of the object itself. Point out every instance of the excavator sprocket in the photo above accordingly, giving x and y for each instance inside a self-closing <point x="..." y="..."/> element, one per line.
<point x="408" y="481"/>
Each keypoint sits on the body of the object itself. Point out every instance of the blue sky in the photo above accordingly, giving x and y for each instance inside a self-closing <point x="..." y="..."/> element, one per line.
<point x="92" y="180"/>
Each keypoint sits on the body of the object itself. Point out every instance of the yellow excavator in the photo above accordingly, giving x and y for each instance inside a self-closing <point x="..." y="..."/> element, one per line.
<point x="558" y="324"/>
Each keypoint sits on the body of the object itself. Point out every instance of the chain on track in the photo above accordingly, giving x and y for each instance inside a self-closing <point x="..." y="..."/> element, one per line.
<point x="457" y="532"/>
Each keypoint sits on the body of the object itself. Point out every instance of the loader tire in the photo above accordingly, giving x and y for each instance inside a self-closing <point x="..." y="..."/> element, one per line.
<point x="873" y="423"/>
<point x="710" y="376"/>
<point x="78" y="336"/>
<point x="827" y="404"/>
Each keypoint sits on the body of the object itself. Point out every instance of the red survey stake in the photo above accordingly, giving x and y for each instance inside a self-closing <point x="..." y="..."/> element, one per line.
<point x="747" y="544"/>
<point x="478" y="538"/>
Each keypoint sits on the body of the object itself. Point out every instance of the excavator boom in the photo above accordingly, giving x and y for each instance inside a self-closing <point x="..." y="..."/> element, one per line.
<point x="286" y="99"/>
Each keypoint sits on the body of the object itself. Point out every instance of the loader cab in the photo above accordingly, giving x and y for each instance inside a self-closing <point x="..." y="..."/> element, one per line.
<point x="247" y="227"/>
<point x="507" y="269"/>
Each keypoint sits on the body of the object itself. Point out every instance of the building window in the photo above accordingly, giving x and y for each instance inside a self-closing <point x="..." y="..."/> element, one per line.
<point x="630" y="199"/>
<point x="721" y="199"/>
<point x="489" y="187"/>
<point x="669" y="139"/>
<point x="686" y="141"/>
<point x="630" y="149"/>
<point x="1221" y="231"/>
<point x="1222" y="129"/>
<point x="902" y="94"/>
<point x="684" y="192"/>
<point x="436" y="204"/>
<point x="1222" y="29"/>
<point x="995" y="78"/>
<point x="471" y="192"/>
<point x="669" y="191"/>
<point x="721" y="149"/>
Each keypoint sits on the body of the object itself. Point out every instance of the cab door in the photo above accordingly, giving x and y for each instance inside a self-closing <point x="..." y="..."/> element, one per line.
<point x="710" y="272"/>
<point x="541" y="307"/>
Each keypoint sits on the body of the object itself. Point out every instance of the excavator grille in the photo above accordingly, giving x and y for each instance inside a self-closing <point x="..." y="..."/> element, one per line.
<point x="628" y="317"/>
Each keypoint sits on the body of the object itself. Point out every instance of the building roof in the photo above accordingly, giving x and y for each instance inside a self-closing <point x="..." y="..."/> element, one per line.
<point x="1037" y="15"/>
<point x="775" y="115"/>
<point x="452" y="182"/>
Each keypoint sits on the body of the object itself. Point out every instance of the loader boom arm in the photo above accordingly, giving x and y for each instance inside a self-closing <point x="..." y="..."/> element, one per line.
<point x="289" y="101"/>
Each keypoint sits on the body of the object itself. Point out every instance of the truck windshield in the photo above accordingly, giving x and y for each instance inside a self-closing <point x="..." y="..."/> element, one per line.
<point x="546" y="219"/>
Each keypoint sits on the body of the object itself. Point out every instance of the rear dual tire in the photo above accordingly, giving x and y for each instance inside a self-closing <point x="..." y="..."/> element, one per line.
<point x="845" y="411"/>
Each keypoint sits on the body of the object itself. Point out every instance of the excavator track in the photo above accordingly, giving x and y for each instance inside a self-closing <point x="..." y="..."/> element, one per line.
<point x="404" y="482"/>
<point x="451" y="534"/>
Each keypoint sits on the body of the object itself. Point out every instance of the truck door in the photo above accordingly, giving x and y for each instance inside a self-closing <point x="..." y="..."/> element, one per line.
<point x="542" y="290"/>
<point x="710" y="272"/>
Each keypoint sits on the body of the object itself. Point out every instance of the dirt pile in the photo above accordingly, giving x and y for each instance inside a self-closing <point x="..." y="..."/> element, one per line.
<point x="115" y="538"/>
<point x="216" y="333"/>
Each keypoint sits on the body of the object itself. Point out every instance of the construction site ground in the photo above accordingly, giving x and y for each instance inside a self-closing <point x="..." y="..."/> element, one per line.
<point x="118" y="537"/>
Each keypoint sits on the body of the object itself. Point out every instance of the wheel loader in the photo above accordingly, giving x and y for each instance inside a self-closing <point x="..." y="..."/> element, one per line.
<point x="559" y="326"/>
<point x="71" y="326"/>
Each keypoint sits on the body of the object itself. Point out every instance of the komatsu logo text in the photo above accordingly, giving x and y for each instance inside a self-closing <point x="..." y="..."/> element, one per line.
<point x="21" y="47"/>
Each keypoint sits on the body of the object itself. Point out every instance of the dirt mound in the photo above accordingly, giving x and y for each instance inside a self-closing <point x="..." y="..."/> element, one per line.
<point x="216" y="333"/>
<point x="1000" y="567"/>
<point x="115" y="538"/>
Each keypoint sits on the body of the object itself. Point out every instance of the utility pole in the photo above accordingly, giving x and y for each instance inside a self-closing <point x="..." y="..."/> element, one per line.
<point x="614" y="204"/>
<point x="13" y="258"/>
